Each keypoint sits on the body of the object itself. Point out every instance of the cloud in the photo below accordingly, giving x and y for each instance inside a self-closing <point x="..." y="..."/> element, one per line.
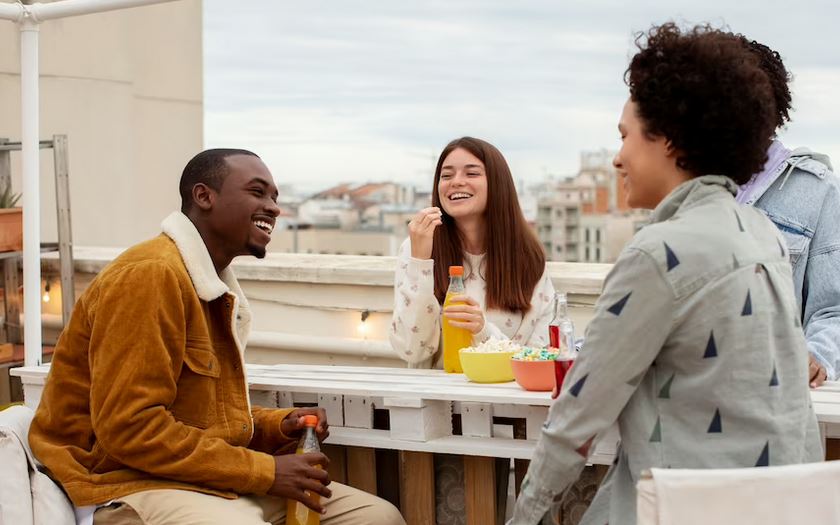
<point x="369" y="90"/>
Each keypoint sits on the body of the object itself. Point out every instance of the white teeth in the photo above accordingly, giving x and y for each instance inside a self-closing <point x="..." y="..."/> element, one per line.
<point x="457" y="196"/>
<point x="266" y="227"/>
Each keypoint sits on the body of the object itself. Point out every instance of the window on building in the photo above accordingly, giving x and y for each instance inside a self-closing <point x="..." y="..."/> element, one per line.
<point x="598" y="235"/>
<point x="597" y="254"/>
<point x="586" y="256"/>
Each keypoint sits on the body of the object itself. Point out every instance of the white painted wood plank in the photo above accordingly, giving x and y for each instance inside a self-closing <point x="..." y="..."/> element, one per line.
<point x="403" y="402"/>
<point x="262" y="398"/>
<point x="417" y="384"/>
<point x="430" y="421"/>
<point x="32" y="394"/>
<point x="477" y="419"/>
<point x="358" y="411"/>
<point x="463" y="445"/>
<point x="284" y="399"/>
<point x="534" y="419"/>
<point x="333" y="404"/>
<point x="465" y="392"/>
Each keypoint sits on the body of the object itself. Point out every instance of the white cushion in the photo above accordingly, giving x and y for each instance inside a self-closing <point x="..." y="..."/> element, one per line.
<point x="27" y="496"/>
<point x="15" y="494"/>
<point x="807" y="493"/>
<point x="49" y="504"/>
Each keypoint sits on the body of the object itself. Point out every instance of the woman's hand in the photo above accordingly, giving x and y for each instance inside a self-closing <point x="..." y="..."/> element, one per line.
<point x="816" y="372"/>
<point x="467" y="314"/>
<point x="421" y="231"/>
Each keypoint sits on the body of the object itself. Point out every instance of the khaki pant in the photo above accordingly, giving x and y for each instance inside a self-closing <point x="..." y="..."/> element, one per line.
<point x="347" y="506"/>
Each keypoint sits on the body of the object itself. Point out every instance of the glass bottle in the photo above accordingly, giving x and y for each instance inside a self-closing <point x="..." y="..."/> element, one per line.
<point x="561" y="329"/>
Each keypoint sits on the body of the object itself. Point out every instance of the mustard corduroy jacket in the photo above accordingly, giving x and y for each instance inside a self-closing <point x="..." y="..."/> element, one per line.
<point x="147" y="388"/>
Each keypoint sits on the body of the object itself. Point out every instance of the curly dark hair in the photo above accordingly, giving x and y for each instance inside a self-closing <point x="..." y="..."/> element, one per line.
<point x="706" y="93"/>
<point x="779" y="76"/>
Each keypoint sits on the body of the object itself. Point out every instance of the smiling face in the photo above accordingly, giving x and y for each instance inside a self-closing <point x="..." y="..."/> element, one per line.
<point x="245" y="208"/>
<point x="646" y="164"/>
<point x="462" y="187"/>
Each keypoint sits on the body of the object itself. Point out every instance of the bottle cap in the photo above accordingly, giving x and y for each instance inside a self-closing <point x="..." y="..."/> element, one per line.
<point x="310" y="421"/>
<point x="456" y="271"/>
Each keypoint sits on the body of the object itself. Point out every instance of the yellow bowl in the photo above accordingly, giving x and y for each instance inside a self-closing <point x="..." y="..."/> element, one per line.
<point x="487" y="367"/>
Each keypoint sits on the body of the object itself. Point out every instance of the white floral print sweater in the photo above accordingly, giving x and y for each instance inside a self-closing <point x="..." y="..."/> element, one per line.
<point x="415" y="327"/>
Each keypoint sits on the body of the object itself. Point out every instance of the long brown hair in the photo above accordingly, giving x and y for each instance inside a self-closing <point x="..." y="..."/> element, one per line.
<point x="515" y="260"/>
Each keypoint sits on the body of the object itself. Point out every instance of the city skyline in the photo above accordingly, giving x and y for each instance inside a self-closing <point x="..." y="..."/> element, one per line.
<point x="331" y="92"/>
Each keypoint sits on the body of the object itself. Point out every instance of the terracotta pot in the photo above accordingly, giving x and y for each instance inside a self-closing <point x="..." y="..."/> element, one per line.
<point x="11" y="229"/>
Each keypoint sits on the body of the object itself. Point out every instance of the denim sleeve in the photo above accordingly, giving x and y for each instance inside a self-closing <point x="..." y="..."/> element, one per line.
<point x="821" y="294"/>
<point x="633" y="318"/>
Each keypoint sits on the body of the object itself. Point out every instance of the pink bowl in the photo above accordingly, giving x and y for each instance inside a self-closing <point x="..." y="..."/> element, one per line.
<point x="534" y="375"/>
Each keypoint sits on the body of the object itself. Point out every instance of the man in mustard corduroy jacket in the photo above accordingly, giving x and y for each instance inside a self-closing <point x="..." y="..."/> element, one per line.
<point x="145" y="416"/>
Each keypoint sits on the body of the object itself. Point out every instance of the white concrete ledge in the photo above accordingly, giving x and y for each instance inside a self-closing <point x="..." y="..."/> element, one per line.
<point x="320" y="344"/>
<point x="573" y="278"/>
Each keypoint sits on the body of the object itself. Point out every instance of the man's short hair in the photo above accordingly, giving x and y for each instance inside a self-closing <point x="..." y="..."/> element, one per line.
<point x="208" y="167"/>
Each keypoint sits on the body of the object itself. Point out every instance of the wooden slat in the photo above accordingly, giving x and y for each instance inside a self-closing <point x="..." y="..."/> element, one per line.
<point x="832" y="449"/>
<point x="338" y="463"/>
<point x="520" y="466"/>
<point x="480" y="490"/>
<point x="361" y="468"/>
<point x="417" y="488"/>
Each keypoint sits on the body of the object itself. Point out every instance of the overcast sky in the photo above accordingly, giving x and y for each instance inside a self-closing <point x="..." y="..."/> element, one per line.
<point x="358" y="91"/>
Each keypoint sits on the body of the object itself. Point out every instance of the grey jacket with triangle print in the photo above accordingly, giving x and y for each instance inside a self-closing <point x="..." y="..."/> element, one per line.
<point x="696" y="349"/>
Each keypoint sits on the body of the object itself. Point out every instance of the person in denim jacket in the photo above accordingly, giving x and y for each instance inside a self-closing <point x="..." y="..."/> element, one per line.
<point x="797" y="190"/>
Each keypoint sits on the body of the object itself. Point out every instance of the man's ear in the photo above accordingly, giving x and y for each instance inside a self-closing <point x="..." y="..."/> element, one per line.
<point x="203" y="196"/>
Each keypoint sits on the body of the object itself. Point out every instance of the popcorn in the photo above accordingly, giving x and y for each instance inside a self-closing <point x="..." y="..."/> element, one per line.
<point x="494" y="345"/>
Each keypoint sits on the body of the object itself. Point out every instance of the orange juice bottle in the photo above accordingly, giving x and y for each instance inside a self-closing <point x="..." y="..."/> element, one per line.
<point x="454" y="339"/>
<point x="296" y="512"/>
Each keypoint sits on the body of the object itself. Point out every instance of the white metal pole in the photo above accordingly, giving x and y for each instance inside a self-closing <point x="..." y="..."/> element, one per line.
<point x="13" y="12"/>
<point x="65" y="8"/>
<point x="31" y="192"/>
<point x="29" y="16"/>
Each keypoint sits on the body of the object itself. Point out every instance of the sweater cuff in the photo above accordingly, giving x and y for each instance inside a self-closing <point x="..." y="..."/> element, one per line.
<point x="420" y="270"/>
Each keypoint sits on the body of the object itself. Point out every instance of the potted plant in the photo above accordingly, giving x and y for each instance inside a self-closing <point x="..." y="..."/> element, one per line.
<point x="11" y="221"/>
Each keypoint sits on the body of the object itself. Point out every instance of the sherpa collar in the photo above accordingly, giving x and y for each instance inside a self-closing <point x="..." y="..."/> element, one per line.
<point x="197" y="259"/>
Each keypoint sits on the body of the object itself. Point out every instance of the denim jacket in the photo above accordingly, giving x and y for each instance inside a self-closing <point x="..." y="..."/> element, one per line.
<point x="804" y="203"/>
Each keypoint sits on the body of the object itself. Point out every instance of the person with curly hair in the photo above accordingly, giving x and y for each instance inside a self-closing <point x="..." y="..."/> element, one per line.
<point x="696" y="348"/>
<point x="797" y="190"/>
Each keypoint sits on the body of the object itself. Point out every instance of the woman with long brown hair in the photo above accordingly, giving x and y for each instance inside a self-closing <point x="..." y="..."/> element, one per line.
<point x="475" y="221"/>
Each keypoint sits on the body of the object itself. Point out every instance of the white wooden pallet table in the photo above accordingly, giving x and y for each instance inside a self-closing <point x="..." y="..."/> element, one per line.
<point x="420" y="405"/>
<point x="351" y="393"/>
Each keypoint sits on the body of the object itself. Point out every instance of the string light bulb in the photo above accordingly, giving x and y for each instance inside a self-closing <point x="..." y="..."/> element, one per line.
<point x="46" y="296"/>
<point x="363" y="327"/>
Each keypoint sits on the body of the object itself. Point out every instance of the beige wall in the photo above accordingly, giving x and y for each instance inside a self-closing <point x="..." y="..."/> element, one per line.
<point x="126" y="87"/>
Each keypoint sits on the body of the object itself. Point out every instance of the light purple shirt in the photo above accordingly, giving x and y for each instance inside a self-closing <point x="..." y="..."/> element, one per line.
<point x="750" y="192"/>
